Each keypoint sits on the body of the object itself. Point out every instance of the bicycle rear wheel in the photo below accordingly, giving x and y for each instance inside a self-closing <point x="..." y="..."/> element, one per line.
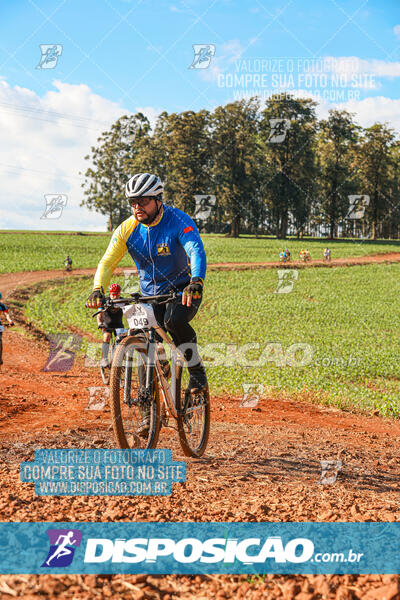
<point x="130" y="402"/>
<point x="193" y="416"/>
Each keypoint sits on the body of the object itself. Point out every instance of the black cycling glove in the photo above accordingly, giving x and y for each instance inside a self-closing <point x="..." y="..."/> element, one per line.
<point x="95" y="299"/>
<point x="194" y="289"/>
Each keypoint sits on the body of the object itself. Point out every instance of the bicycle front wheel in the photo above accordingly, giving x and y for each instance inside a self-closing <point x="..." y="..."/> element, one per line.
<point x="135" y="409"/>
<point x="193" y="416"/>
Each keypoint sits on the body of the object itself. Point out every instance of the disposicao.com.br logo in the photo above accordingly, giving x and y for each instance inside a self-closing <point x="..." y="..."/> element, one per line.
<point x="190" y="550"/>
<point x="62" y="547"/>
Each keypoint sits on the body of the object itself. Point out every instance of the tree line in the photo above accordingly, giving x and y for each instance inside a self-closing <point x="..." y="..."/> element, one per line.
<point x="266" y="170"/>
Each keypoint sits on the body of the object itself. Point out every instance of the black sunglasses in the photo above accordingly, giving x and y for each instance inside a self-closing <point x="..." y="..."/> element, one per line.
<point x="140" y="201"/>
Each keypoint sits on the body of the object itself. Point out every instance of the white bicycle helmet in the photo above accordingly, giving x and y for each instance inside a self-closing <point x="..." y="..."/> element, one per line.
<point x="143" y="184"/>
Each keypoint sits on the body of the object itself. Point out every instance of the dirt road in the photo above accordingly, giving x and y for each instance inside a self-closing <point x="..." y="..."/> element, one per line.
<point x="9" y="281"/>
<point x="262" y="464"/>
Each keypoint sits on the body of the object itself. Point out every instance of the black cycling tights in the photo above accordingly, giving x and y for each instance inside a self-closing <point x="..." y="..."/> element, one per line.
<point x="175" y="317"/>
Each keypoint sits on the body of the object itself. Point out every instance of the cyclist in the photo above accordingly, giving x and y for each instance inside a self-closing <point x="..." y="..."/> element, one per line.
<point x="287" y="252"/>
<point x="282" y="256"/>
<point x="327" y="254"/>
<point x="166" y="247"/>
<point x="68" y="263"/>
<point x="306" y="255"/>
<point x="4" y="309"/>
<point x="109" y="320"/>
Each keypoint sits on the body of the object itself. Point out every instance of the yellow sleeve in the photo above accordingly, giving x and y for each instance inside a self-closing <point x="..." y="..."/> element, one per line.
<point x="114" y="254"/>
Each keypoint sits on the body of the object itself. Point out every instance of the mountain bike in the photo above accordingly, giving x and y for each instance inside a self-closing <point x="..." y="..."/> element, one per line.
<point x="139" y="383"/>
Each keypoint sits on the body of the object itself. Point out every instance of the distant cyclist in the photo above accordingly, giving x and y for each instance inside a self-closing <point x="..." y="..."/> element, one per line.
<point x="68" y="263"/>
<point x="287" y="252"/>
<point x="109" y="320"/>
<point x="3" y="309"/>
<point x="282" y="256"/>
<point x="169" y="255"/>
<point x="327" y="254"/>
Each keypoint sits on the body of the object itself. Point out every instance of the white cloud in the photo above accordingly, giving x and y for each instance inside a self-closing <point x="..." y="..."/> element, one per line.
<point x="368" y="111"/>
<point x="354" y="65"/>
<point x="43" y="144"/>
<point x="373" y="110"/>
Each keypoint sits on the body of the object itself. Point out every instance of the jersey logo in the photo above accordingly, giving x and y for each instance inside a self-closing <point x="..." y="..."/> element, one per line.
<point x="163" y="249"/>
<point x="187" y="229"/>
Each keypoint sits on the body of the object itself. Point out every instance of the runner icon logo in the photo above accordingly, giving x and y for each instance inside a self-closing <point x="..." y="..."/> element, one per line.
<point x="62" y="547"/>
<point x="203" y="54"/>
<point x="286" y="280"/>
<point x="279" y="129"/>
<point x="50" y="55"/>
<point x="55" y="204"/>
<point x="357" y="205"/>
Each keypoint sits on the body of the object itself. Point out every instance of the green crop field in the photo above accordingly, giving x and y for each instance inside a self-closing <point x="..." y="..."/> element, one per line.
<point x="333" y="339"/>
<point x="33" y="251"/>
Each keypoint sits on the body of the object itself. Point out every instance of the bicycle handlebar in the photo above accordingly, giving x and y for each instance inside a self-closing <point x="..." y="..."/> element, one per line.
<point x="136" y="298"/>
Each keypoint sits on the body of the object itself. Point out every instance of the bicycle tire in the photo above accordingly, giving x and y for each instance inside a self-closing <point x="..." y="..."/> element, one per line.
<point x="120" y="366"/>
<point x="189" y="449"/>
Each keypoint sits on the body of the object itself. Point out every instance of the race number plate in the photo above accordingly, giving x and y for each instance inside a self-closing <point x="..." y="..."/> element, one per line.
<point x="140" y="316"/>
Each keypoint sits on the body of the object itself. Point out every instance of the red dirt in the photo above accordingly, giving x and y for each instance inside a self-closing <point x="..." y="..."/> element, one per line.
<point x="262" y="464"/>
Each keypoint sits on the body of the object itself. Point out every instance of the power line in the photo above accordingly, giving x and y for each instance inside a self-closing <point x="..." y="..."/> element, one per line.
<point x="64" y="116"/>
<point x="39" y="171"/>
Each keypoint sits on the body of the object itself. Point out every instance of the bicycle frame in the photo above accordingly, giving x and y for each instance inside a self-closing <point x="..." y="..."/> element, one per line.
<point x="152" y="359"/>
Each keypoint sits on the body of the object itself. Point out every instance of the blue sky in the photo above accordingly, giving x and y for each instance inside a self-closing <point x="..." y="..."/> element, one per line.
<point x="138" y="53"/>
<point x="125" y="55"/>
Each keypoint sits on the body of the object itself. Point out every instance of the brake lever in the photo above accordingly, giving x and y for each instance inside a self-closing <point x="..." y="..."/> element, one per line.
<point x="172" y="298"/>
<point x="103" y="308"/>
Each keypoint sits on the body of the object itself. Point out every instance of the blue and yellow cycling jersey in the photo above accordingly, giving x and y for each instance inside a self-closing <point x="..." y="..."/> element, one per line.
<point x="167" y="253"/>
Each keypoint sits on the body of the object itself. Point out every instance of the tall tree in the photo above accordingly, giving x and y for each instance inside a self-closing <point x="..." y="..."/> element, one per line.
<point x="376" y="160"/>
<point x="235" y="149"/>
<point x="336" y="145"/>
<point x="181" y="142"/>
<point x="288" y="131"/>
<point x="391" y="222"/>
<point x="120" y="152"/>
